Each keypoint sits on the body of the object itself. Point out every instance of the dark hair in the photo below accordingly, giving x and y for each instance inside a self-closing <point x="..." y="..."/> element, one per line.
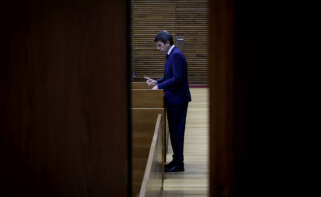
<point x="164" y="36"/>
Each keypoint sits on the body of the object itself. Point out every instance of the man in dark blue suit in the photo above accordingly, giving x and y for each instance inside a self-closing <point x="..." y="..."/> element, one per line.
<point x="177" y="95"/>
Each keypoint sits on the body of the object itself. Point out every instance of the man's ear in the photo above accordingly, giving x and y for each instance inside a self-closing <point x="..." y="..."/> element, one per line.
<point x="168" y="43"/>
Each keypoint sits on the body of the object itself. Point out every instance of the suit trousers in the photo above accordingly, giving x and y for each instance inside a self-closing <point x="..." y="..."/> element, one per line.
<point x="176" y="115"/>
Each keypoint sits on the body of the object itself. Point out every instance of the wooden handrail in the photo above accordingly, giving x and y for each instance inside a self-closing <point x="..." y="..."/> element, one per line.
<point x="150" y="157"/>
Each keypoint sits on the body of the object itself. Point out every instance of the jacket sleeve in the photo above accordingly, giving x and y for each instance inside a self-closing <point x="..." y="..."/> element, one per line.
<point x="160" y="80"/>
<point x="178" y="73"/>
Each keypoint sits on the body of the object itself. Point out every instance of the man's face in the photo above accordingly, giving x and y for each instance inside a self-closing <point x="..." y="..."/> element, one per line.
<point x="163" y="48"/>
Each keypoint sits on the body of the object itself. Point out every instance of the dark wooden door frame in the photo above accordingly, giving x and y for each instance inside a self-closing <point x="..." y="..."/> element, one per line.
<point x="222" y="96"/>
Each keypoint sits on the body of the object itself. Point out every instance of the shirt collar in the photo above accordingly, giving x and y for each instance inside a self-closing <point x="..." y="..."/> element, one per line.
<point x="170" y="50"/>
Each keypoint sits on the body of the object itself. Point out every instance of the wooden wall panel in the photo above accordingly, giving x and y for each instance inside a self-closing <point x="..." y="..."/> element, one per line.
<point x="64" y="98"/>
<point x="254" y="150"/>
<point x="222" y="99"/>
<point x="183" y="19"/>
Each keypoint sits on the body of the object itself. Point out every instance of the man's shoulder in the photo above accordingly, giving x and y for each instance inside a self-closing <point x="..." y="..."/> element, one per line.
<point x="177" y="50"/>
<point x="177" y="53"/>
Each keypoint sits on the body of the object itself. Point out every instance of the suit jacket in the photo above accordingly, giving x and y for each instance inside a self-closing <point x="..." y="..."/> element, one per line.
<point x="175" y="80"/>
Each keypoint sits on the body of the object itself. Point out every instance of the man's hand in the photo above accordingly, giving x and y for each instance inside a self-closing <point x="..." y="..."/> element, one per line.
<point x="155" y="88"/>
<point x="150" y="82"/>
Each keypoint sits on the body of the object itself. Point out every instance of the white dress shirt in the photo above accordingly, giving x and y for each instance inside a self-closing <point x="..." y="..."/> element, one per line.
<point x="170" y="50"/>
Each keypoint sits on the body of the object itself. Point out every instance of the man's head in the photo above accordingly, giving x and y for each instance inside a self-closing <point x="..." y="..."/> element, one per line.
<point x="163" y="41"/>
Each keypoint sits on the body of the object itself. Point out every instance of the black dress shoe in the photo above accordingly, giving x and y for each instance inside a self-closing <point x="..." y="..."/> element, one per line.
<point x="175" y="168"/>
<point x="170" y="164"/>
